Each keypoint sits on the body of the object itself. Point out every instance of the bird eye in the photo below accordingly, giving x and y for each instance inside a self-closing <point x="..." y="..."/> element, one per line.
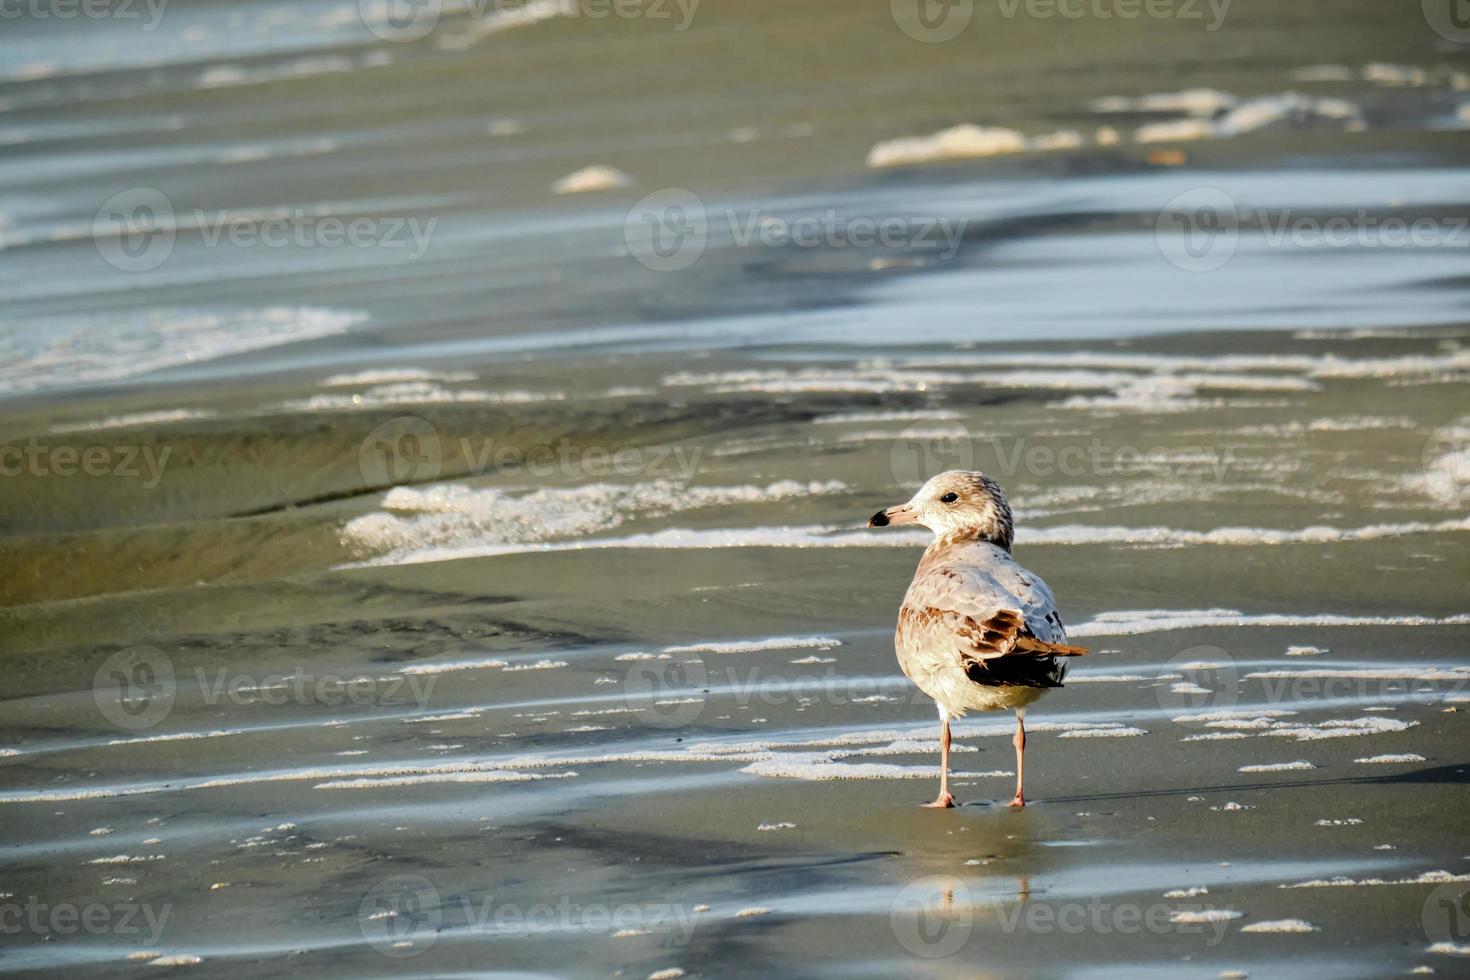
<point x="949" y="498"/>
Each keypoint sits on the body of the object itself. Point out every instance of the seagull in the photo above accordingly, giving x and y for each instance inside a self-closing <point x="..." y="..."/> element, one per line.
<point x="976" y="631"/>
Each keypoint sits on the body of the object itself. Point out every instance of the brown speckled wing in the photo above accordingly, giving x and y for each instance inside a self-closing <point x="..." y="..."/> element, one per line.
<point x="997" y="651"/>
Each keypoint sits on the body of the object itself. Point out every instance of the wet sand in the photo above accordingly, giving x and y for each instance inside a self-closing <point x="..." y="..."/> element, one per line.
<point x="645" y="724"/>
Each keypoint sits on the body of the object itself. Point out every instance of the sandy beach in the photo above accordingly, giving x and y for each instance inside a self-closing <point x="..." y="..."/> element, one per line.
<point x="492" y="597"/>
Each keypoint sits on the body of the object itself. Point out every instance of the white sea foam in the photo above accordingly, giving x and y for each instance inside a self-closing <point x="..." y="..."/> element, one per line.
<point x="1390" y="758"/>
<point x="174" y="737"/>
<point x="1280" y="926"/>
<point x="160" y="417"/>
<point x="407" y="542"/>
<point x="822" y="768"/>
<point x="1202" y="102"/>
<point x="176" y="959"/>
<point x="453" y="520"/>
<point x="1342" y="881"/>
<point x="914" y="415"/>
<point x="1367" y="673"/>
<point x="105" y="348"/>
<point x="442" y="777"/>
<point x="383" y="376"/>
<point x="1174" y="131"/>
<point x="956" y="142"/>
<point x="1103" y="733"/>
<point x="589" y="179"/>
<point x="1134" y="622"/>
<point x="480" y="664"/>
<point x="412" y="393"/>
<point x="1210" y="114"/>
<point x="1211" y="716"/>
<point x="1197" y="916"/>
<point x="1278" y="766"/>
<point x="756" y="646"/>
<point x="1450" y="949"/>
<point x="226" y="76"/>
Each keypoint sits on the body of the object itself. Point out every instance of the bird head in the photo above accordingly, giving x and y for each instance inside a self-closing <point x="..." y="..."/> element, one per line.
<point x="956" y="503"/>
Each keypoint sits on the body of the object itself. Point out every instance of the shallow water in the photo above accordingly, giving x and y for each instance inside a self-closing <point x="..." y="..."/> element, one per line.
<point x="498" y="602"/>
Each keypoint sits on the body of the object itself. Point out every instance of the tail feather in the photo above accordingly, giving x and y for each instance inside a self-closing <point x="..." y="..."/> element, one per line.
<point x="1041" y="646"/>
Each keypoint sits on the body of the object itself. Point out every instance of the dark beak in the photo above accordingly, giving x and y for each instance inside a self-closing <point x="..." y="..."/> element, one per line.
<point x="902" y="514"/>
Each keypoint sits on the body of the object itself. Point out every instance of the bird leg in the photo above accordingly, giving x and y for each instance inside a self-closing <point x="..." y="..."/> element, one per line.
<point x="944" y="800"/>
<point x="1019" y="741"/>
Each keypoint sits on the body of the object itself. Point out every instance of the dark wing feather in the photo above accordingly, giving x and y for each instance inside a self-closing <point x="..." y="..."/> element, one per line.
<point x="999" y="651"/>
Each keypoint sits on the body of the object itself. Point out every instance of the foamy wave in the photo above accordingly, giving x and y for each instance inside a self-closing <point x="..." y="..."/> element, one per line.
<point x="589" y="179"/>
<point x="406" y="543"/>
<point x="1367" y="673"/>
<point x="914" y="415"/>
<point x="1280" y="926"/>
<point x="413" y="393"/>
<point x="1211" y="114"/>
<point x="757" y="646"/>
<point x="161" y="417"/>
<point x="957" y="142"/>
<point x="1204" y="915"/>
<point x="1131" y="382"/>
<point x="484" y="663"/>
<point x="453" y="520"/>
<point x="822" y="769"/>
<point x="1202" y="102"/>
<point x="383" y="376"/>
<point x="1427" y="878"/>
<point x="100" y="349"/>
<point x="226" y="76"/>
<point x="1134" y="622"/>
<point x="492" y="776"/>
